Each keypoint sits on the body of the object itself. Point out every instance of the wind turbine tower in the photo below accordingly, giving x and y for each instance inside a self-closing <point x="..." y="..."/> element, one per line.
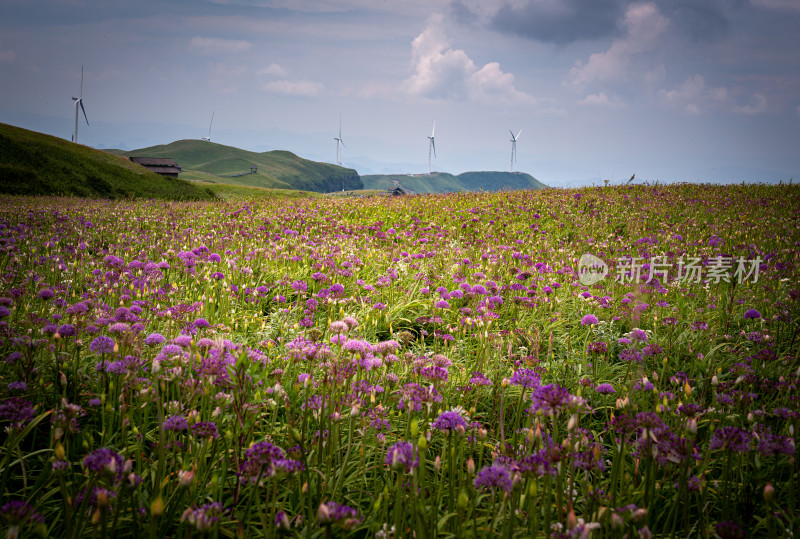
<point x="431" y="147"/>
<point x="514" y="147"/>
<point x="79" y="103"/>
<point x="208" y="138"/>
<point x="338" y="141"/>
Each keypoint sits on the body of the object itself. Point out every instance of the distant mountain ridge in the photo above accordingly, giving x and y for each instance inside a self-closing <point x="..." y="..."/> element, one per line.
<point x="442" y="182"/>
<point x="277" y="169"/>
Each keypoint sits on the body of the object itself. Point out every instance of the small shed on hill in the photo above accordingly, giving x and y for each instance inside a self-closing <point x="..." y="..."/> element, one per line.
<point x="397" y="191"/>
<point x="159" y="165"/>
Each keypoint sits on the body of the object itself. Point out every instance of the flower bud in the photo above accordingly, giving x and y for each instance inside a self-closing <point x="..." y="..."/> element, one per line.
<point x="470" y="466"/>
<point x="769" y="492"/>
<point x="157" y="506"/>
<point x="323" y="514"/>
<point x="185" y="477"/>
<point x="463" y="500"/>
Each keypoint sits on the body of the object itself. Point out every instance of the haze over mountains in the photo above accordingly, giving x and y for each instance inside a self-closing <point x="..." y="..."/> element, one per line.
<point x="368" y="155"/>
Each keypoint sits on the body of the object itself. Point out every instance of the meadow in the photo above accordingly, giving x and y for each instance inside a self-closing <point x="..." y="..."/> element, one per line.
<point x="427" y="366"/>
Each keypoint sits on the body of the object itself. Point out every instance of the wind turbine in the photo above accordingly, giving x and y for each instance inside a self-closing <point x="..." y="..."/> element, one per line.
<point x="431" y="147"/>
<point x="339" y="140"/>
<point x="208" y="138"/>
<point x="79" y="102"/>
<point x="514" y="147"/>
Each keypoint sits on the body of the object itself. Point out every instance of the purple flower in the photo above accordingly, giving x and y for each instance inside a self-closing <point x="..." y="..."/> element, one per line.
<point x="154" y="339"/>
<point x="342" y="516"/>
<point x="104" y="462"/>
<point x="731" y="439"/>
<point x="102" y="345"/>
<point x="176" y="423"/>
<point x="597" y="347"/>
<point x="67" y="330"/>
<point x="449" y="421"/>
<point x="299" y="286"/>
<point x="17" y="410"/>
<point x="605" y="389"/>
<point x="201" y="323"/>
<point x="493" y="477"/>
<point x="479" y="379"/>
<point x="19" y="513"/>
<point x="551" y="399"/>
<point x="630" y="355"/>
<point x="527" y="378"/>
<point x="638" y="335"/>
<point x="17" y="386"/>
<point x="259" y="460"/>
<point x="752" y="314"/>
<point x="589" y="320"/>
<point x="442" y="304"/>
<point x="205" y="429"/>
<point x="728" y="529"/>
<point x="402" y="456"/>
<point x="205" y="517"/>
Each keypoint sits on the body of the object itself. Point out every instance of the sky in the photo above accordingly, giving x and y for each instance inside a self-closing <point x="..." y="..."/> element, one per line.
<point x="671" y="90"/>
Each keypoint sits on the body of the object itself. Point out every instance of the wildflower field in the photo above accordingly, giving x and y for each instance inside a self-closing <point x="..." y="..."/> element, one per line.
<point x="431" y="366"/>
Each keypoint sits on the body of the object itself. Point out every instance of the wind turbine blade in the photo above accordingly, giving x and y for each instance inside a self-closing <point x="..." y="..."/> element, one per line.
<point x="433" y="131"/>
<point x="518" y="134"/>
<point x="512" y="135"/>
<point x="433" y="145"/>
<point x="84" y="111"/>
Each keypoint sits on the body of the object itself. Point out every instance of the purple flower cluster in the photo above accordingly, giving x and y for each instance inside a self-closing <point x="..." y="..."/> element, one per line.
<point x="449" y="421"/>
<point x="492" y="478"/>
<point x="106" y="463"/>
<point x="402" y="456"/>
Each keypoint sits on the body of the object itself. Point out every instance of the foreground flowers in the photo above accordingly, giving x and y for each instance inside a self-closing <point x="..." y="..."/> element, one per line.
<point x="259" y="369"/>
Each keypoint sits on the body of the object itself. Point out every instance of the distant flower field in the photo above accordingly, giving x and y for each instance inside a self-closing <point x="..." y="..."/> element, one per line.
<point x="603" y="362"/>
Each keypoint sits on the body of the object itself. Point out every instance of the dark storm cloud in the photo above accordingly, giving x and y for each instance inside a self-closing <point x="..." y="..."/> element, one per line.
<point x="562" y="22"/>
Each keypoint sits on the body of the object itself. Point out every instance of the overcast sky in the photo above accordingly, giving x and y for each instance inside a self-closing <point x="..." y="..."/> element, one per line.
<point x="670" y="90"/>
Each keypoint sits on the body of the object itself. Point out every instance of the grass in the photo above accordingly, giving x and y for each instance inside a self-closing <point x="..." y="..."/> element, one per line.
<point x="36" y="164"/>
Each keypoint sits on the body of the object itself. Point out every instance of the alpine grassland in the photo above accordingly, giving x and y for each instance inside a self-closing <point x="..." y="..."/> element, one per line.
<point x="613" y="362"/>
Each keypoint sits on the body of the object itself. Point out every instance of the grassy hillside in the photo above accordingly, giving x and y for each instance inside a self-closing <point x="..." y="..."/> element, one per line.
<point x="437" y="182"/>
<point x="499" y="181"/>
<point x="32" y="163"/>
<point x="276" y="169"/>
<point x="441" y="182"/>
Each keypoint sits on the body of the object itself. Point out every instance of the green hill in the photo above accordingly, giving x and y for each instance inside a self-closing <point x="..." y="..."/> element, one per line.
<point x="499" y="181"/>
<point x="276" y="169"/>
<point x="442" y="182"/>
<point x="33" y="163"/>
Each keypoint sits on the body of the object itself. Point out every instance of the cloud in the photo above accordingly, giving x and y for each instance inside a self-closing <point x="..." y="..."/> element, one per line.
<point x="758" y="107"/>
<point x="783" y="5"/>
<point x="559" y="21"/>
<point x="441" y="72"/>
<point x="273" y="69"/>
<point x="644" y="25"/>
<point x="212" y="45"/>
<point x="302" y="88"/>
<point x="563" y="22"/>
<point x="601" y="100"/>
<point x="7" y="56"/>
<point x="695" y="96"/>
